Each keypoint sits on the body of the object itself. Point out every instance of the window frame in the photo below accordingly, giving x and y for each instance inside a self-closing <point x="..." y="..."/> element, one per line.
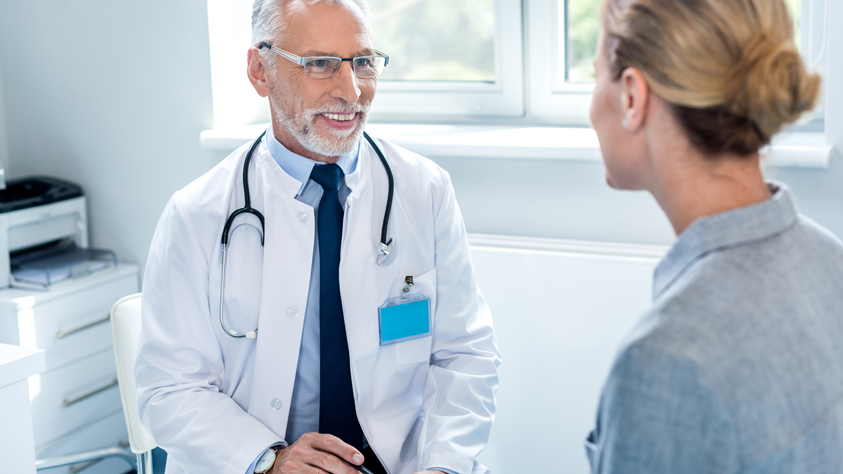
<point x="569" y="104"/>
<point x="811" y="38"/>
<point x="236" y="104"/>
<point x="549" y="102"/>
<point x="527" y="91"/>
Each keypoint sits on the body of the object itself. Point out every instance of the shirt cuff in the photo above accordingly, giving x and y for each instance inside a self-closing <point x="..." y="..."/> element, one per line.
<point x="255" y="462"/>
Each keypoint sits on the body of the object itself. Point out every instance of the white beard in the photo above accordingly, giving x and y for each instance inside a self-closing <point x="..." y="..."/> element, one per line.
<point x="332" y="143"/>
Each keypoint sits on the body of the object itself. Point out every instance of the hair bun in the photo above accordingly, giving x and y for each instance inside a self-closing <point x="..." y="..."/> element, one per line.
<point x="728" y="68"/>
<point x="773" y="87"/>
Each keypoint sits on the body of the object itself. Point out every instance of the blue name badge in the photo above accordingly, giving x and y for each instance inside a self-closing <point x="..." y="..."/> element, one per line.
<point x="404" y="318"/>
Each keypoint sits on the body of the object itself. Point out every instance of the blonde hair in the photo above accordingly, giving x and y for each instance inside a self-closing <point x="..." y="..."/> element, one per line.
<point x="728" y="67"/>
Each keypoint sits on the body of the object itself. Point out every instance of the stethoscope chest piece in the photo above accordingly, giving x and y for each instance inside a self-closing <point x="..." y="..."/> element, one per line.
<point x="385" y="252"/>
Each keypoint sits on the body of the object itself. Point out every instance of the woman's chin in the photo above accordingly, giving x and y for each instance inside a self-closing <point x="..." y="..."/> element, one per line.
<point x="616" y="183"/>
<point x="610" y="182"/>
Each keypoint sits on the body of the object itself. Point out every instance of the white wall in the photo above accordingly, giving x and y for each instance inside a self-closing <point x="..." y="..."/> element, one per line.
<point x="4" y="142"/>
<point x="569" y="200"/>
<point x="113" y="95"/>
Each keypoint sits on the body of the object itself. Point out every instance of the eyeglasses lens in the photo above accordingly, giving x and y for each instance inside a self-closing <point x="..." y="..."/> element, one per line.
<point x="364" y="66"/>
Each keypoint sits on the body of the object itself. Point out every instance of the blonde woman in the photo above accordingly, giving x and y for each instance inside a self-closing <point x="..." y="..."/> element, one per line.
<point x="738" y="366"/>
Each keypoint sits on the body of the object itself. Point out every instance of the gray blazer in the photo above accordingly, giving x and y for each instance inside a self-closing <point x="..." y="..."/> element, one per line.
<point x="738" y="366"/>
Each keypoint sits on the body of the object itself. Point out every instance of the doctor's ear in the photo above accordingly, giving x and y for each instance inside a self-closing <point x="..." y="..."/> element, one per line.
<point x="634" y="96"/>
<point x="257" y="72"/>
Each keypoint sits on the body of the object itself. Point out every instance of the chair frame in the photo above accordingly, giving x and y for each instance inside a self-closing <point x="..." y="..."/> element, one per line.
<point x="141" y="461"/>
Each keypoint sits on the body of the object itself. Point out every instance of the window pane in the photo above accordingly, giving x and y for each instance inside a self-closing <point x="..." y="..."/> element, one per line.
<point x="436" y="40"/>
<point x="580" y="20"/>
<point x="796" y="11"/>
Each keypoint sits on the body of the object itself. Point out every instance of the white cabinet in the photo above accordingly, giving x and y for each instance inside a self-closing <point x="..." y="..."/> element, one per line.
<point x="16" y="364"/>
<point x="75" y="401"/>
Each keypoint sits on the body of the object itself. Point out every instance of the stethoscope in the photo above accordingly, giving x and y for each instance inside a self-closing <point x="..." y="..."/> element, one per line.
<point x="383" y="252"/>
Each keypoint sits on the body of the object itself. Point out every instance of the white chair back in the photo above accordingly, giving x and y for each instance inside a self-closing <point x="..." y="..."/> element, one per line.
<point x="126" y="327"/>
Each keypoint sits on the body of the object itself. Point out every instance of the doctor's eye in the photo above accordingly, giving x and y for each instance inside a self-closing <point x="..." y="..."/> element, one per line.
<point x="320" y="64"/>
<point x="363" y="62"/>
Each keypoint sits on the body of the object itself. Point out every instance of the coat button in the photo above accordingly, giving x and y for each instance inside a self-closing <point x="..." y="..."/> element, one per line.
<point x="303" y="216"/>
<point x="275" y="404"/>
<point x="292" y="311"/>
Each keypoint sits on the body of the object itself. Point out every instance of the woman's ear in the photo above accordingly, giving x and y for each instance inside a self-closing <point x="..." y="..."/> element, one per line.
<point x="634" y="95"/>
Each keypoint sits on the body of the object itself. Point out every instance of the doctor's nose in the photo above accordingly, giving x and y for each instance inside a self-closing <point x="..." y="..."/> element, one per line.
<point x="344" y="84"/>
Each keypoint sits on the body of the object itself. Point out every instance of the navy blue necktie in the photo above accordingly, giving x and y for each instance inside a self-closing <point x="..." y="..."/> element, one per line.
<point x="337" y="414"/>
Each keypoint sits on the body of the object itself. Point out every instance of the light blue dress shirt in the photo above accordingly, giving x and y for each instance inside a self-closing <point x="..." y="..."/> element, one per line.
<point x="304" y="406"/>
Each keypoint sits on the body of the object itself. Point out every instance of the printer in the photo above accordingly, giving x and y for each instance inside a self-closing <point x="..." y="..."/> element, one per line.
<point x="38" y="215"/>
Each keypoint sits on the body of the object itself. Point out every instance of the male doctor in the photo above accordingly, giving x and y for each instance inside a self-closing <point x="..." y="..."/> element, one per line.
<point x="323" y="379"/>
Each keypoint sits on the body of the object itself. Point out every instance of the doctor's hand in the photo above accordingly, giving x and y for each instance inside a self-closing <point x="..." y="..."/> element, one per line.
<point x="317" y="453"/>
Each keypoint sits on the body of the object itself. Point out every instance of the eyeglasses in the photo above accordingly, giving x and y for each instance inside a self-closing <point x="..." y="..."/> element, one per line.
<point x="324" y="67"/>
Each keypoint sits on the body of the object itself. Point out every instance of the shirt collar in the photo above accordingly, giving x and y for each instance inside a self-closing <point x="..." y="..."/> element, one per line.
<point x="300" y="167"/>
<point x="724" y="230"/>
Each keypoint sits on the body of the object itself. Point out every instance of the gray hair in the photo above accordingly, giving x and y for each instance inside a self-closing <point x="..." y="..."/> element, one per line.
<point x="269" y="23"/>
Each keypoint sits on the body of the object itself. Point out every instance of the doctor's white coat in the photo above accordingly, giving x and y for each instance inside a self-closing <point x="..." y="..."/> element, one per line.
<point x="215" y="402"/>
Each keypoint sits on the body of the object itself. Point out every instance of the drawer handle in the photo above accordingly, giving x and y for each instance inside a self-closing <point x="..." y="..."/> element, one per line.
<point x="77" y="469"/>
<point x="63" y="334"/>
<point x="68" y="403"/>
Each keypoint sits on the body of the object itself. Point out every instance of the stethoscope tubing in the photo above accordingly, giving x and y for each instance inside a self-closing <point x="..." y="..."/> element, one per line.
<point x="247" y="208"/>
<point x="390" y="192"/>
<point x="385" y="247"/>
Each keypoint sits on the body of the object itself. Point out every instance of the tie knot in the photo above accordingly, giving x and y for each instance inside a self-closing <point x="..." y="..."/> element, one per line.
<point x="328" y="176"/>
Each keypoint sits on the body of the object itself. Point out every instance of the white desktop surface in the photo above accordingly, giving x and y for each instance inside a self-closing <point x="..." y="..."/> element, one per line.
<point x="17" y="444"/>
<point x="17" y="363"/>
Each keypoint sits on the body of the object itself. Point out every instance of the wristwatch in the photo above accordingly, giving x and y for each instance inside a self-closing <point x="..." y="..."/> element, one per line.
<point x="266" y="461"/>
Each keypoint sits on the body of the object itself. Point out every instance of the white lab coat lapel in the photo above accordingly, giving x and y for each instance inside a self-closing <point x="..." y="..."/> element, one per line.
<point x="288" y="257"/>
<point x="364" y="285"/>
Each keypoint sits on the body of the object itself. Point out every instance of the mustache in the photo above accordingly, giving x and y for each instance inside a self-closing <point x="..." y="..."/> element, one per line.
<point x="338" y="109"/>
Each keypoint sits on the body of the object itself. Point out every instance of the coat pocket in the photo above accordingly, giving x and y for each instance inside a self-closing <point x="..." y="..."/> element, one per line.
<point x="418" y="350"/>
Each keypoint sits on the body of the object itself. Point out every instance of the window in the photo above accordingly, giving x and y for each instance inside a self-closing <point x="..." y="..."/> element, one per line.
<point x="420" y="36"/>
<point x="449" y="58"/>
<point x="561" y="41"/>
<point x="562" y="37"/>
<point x="580" y="20"/>
<point x="811" y="20"/>
<point x="524" y="61"/>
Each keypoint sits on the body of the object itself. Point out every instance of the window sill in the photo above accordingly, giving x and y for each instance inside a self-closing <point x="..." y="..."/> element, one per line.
<point x="795" y="149"/>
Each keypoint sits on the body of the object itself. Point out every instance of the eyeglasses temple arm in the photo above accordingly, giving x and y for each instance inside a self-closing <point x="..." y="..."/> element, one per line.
<point x="289" y="56"/>
<point x="380" y="53"/>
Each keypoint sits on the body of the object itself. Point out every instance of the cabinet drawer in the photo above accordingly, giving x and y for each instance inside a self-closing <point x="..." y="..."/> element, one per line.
<point x="73" y="395"/>
<point x="108" y="432"/>
<point x="77" y="325"/>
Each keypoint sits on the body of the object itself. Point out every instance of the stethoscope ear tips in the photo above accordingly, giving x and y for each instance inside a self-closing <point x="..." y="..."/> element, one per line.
<point x="385" y="251"/>
<point x="251" y="335"/>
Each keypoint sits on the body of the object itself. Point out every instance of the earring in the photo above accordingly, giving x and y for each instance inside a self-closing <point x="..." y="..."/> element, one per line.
<point x="625" y="123"/>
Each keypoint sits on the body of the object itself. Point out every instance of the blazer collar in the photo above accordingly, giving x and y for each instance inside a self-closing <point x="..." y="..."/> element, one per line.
<point x="725" y="230"/>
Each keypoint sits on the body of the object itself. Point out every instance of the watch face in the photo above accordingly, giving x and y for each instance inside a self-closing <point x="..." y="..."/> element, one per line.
<point x="265" y="462"/>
